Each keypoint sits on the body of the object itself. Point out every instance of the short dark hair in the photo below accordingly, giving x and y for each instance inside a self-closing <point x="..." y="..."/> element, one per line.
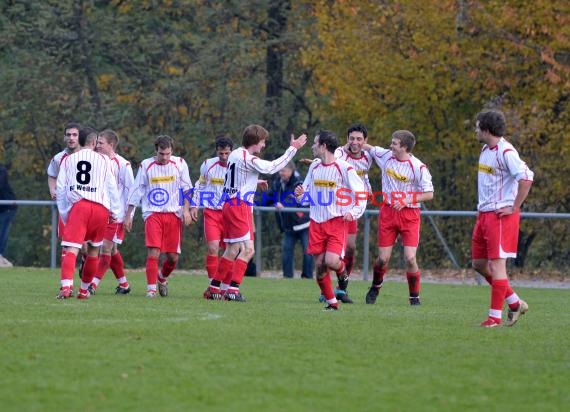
<point x="253" y="134"/>
<point x="163" y="142"/>
<point x="492" y="121"/>
<point x="329" y="139"/>
<point x="358" y="127"/>
<point x="71" y="125"/>
<point x="291" y="165"/>
<point x="222" y="142"/>
<point x="111" y="137"/>
<point x="406" y="138"/>
<point x="87" y="135"/>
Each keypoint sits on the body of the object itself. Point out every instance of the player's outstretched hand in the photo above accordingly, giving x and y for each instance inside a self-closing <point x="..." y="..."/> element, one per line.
<point x="298" y="142"/>
<point x="187" y="217"/>
<point x="128" y="222"/>
<point x="262" y="185"/>
<point x="194" y="213"/>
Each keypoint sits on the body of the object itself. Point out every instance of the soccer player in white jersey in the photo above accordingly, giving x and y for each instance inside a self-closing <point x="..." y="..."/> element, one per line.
<point x="240" y="185"/>
<point x="336" y="195"/>
<point x="208" y="194"/>
<point x="361" y="161"/>
<point x="406" y="182"/>
<point x="71" y="139"/>
<point x="162" y="184"/>
<point x="87" y="198"/>
<point x="504" y="182"/>
<point x="110" y="256"/>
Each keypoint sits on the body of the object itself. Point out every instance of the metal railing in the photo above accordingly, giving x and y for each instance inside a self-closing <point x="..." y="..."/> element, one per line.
<point x="258" y="210"/>
<point x="366" y="233"/>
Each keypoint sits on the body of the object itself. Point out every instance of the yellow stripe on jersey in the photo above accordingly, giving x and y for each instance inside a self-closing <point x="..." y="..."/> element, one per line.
<point x="397" y="176"/>
<point x="361" y="172"/>
<point x="325" y="183"/>
<point x="162" y="179"/>
<point x="216" y="181"/>
<point x="202" y="179"/>
<point x="486" y="169"/>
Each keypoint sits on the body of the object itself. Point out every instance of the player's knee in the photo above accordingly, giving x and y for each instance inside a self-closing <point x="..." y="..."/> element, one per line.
<point x="410" y="260"/>
<point x="381" y="262"/>
<point x="247" y="253"/>
<point x="332" y="262"/>
<point x="476" y="265"/>
<point x="322" y="270"/>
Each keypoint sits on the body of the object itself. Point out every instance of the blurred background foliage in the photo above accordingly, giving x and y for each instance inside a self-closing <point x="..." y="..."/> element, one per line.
<point x="194" y="69"/>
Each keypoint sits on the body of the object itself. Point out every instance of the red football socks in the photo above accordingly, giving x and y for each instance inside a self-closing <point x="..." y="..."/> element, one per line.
<point x="413" y="283"/>
<point x="117" y="265"/>
<point x="240" y="266"/>
<point x="326" y="287"/>
<point x="104" y="262"/>
<point x="211" y="265"/>
<point x="151" y="270"/>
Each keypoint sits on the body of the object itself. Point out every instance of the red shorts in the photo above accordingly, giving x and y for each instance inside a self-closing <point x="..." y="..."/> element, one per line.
<point x="392" y="222"/>
<point x="495" y="237"/>
<point x="352" y="227"/>
<point x="214" y="226"/>
<point x="238" y="222"/>
<point x="329" y="236"/>
<point x="86" y="223"/>
<point x="163" y="231"/>
<point x="115" y="233"/>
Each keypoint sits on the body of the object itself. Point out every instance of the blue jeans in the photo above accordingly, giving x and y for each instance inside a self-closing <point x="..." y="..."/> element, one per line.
<point x="289" y="240"/>
<point x="5" y="222"/>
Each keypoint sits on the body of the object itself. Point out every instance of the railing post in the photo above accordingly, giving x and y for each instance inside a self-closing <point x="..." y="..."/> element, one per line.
<point x="366" y="246"/>
<point x="54" y="227"/>
<point x="258" y="242"/>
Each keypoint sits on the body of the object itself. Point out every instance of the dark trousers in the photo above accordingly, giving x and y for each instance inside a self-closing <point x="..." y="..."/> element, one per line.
<point x="5" y="222"/>
<point x="289" y="240"/>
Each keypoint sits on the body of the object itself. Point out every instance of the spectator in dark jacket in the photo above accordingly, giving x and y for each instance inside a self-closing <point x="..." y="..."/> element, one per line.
<point x="293" y="225"/>
<point x="7" y="213"/>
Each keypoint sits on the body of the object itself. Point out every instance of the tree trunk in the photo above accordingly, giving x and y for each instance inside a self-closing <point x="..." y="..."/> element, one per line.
<point x="277" y="26"/>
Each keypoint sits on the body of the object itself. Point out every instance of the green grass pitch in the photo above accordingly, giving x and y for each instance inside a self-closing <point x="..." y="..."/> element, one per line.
<point x="277" y="352"/>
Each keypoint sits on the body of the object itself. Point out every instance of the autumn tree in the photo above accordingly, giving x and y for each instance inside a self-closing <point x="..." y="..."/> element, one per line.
<point x="430" y="66"/>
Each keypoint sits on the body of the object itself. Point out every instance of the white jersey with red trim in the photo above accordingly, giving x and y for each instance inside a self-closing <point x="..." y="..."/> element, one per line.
<point x="330" y="190"/>
<point x="500" y="170"/>
<point x="210" y="186"/>
<point x="87" y="175"/>
<point x="401" y="178"/>
<point x="55" y="163"/>
<point x="124" y="177"/>
<point x="161" y="188"/>
<point x="244" y="169"/>
<point x="361" y="164"/>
